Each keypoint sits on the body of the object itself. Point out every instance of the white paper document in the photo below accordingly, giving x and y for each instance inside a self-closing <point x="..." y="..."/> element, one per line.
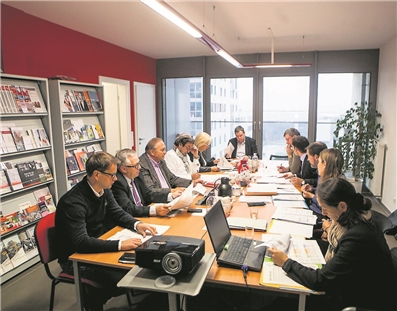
<point x="295" y="229"/>
<point x="242" y="222"/>
<point x="288" y="215"/>
<point x="288" y="197"/>
<point x="229" y="149"/>
<point x="293" y="204"/>
<point x="126" y="234"/>
<point x="224" y="164"/>
<point x="261" y="188"/>
<point x="272" y="180"/>
<point x="254" y="198"/>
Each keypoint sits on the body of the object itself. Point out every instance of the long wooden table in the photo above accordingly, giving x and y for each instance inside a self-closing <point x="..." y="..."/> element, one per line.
<point x="187" y="224"/>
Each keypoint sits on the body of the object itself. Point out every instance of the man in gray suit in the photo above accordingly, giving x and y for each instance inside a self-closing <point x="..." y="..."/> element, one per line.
<point x="155" y="173"/>
<point x="131" y="193"/>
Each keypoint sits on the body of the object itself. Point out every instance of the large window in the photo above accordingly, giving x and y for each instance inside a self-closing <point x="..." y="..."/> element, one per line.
<point x="285" y="105"/>
<point x="183" y="107"/>
<point x="337" y="92"/>
<point x="232" y="105"/>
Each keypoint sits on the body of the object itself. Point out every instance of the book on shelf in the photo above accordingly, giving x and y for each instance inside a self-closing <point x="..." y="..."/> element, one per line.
<point x="88" y="100"/>
<point x="3" y="145"/>
<point x="73" y="181"/>
<point x="12" y="175"/>
<point x="35" y="137"/>
<point x="10" y="99"/>
<point x="28" y="245"/>
<point x="96" y="103"/>
<point x="32" y="213"/>
<point x="81" y="157"/>
<point x="6" y="264"/>
<point x="17" y="135"/>
<point x="43" y="170"/>
<point x="98" y="131"/>
<point x="68" y="103"/>
<point x="71" y="164"/>
<point x="18" y="98"/>
<point x="31" y="96"/>
<point x="90" y="131"/>
<point x="29" y="173"/>
<point x="44" y="200"/>
<point x="44" y="141"/>
<point x="27" y="141"/>
<point x="4" y="185"/>
<point x="8" y="139"/>
<point x="15" y="250"/>
<point x="9" y="222"/>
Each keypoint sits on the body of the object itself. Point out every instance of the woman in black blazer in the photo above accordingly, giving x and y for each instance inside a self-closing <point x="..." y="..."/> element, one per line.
<point x="202" y="142"/>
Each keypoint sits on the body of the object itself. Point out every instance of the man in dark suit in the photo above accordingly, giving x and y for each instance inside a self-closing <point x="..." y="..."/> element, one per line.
<point x="155" y="173"/>
<point x="307" y="174"/>
<point x="131" y="193"/>
<point x="243" y="145"/>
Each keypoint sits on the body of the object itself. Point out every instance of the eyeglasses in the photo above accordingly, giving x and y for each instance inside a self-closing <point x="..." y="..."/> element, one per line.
<point x="110" y="175"/>
<point x="136" y="166"/>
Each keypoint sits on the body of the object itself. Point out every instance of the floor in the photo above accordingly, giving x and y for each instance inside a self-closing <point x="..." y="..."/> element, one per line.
<point x="30" y="291"/>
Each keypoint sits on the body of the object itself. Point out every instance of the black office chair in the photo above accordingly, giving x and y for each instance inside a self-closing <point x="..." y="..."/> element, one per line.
<point x="383" y="221"/>
<point x="278" y="157"/>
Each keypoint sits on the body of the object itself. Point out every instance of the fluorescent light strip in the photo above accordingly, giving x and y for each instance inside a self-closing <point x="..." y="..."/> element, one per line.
<point x="229" y="58"/>
<point x="169" y="13"/>
<point x="173" y="16"/>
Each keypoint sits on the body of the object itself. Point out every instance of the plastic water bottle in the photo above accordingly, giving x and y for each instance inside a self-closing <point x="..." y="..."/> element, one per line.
<point x="255" y="162"/>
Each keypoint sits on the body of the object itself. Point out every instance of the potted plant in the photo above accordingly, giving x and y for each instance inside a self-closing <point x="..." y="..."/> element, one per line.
<point x="357" y="134"/>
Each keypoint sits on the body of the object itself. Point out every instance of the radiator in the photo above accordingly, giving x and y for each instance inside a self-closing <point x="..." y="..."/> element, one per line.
<point x="375" y="184"/>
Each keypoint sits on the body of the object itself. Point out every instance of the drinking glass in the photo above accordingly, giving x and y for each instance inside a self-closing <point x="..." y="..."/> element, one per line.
<point x="254" y="212"/>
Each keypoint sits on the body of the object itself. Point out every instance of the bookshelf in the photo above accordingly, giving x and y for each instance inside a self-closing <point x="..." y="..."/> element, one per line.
<point x="27" y="166"/>
<point x="77" y="116"/>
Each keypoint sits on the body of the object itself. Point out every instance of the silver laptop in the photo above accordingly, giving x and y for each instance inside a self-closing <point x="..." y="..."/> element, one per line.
<point x="232" y="250"/>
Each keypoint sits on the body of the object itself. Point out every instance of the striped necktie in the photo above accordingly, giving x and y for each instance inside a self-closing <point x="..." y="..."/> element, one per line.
<point x="135" y="194"/>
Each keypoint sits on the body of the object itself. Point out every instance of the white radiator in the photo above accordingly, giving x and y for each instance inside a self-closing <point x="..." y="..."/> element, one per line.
<point x="375" y="184"/>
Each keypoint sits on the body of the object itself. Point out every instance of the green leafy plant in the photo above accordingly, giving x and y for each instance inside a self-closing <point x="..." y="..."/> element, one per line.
<point x="357" y="134"/>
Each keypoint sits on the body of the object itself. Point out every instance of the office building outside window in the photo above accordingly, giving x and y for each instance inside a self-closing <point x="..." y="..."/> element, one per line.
<point x="232" y="106"/>
<point x="337" y="92"/>
<point x="285" y="105"/>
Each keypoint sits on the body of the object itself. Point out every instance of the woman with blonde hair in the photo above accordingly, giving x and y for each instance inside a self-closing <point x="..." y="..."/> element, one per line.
<point x="202" y="142"/>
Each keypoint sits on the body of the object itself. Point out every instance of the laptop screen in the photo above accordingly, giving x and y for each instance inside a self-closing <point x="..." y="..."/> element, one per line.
<point x="217" y="227"/>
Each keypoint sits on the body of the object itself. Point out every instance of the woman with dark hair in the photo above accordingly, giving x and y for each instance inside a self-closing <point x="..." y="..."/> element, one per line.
<point x="359" y="269"/>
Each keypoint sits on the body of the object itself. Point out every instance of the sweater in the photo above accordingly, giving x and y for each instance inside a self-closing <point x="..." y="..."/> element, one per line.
<point x="82" y="217"/>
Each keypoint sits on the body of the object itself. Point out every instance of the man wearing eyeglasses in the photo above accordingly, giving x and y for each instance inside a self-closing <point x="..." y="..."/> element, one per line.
<point x="83" y="214"/>
<point x="131" y="193"/>
<point x="178" y="161"/>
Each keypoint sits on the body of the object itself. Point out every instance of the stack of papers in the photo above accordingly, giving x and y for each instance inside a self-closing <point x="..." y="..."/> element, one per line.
<point x="126" y="234"/>
<point x="303" y="216"/>
<point x="241" y="223"/>
<point x="261" y="189"/>
<point x="295" y="229"/>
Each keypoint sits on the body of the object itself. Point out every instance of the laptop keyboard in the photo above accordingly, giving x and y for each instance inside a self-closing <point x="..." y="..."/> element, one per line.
<point x="237" y="251"/>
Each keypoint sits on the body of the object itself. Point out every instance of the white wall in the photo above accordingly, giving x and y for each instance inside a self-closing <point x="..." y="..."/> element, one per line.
<point x="386" y="104"/>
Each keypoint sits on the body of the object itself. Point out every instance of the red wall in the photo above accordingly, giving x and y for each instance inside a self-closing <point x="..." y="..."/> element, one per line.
<point x="32" y="46"/>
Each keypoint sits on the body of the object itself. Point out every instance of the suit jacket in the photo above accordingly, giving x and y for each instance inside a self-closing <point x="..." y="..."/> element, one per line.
<point x="308" y="173"/>
<point x="205" y="166"/>
<point x="149" y="177"/>
<point x="250" y="146"/>
<point x="123" y="195"/>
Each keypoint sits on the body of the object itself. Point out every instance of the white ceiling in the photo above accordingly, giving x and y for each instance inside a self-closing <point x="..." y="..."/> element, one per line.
<point x="240" y="27"/>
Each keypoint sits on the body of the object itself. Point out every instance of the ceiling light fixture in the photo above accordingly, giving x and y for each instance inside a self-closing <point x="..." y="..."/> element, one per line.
<point x="175" y="17"/>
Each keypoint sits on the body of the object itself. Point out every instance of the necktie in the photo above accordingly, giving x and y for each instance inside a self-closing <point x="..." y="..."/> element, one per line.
<point x="135" y="194"/>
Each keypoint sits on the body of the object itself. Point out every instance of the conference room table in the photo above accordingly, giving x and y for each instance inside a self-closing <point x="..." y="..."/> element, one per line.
<point x="191" y="225"/>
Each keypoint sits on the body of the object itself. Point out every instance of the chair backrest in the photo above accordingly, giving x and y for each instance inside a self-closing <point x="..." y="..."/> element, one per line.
<point x="383" y="221"/>
<point x="45" y="238"/>
<point x="278" y="157"/>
